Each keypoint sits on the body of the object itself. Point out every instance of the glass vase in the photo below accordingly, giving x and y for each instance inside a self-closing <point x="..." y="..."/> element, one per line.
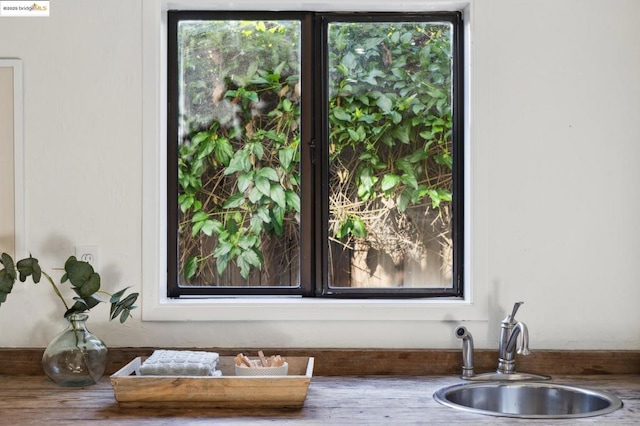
<point x="75" y="357"/>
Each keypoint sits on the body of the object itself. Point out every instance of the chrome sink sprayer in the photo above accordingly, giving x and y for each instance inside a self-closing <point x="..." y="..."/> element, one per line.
<point x="510" y="331"/>
<point x="467" y="351"/>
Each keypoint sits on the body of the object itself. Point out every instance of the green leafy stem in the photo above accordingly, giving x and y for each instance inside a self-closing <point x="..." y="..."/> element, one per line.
<point x="84" y="280"/>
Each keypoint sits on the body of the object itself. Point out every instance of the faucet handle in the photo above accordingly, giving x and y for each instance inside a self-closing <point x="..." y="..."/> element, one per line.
<point x="513" y="313"/>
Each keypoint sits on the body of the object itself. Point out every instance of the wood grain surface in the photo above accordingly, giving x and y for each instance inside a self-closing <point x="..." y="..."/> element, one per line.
<point x="370" y="400"/>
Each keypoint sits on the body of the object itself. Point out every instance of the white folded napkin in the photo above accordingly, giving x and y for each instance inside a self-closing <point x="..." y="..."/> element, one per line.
<point x="180" y="363"/>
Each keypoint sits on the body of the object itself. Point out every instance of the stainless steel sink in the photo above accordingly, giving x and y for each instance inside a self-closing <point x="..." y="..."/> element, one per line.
<point x="531" y="400"/>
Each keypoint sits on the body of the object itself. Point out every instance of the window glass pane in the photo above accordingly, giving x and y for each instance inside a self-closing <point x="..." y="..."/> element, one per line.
<point x="238" y="152"/>
<point x="390" y="154"/>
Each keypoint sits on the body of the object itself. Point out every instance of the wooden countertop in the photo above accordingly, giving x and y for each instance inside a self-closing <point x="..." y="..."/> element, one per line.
<point x="331" y="400"/>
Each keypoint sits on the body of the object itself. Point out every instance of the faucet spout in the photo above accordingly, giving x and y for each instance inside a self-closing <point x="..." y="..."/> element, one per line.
<point x="520" y="329"/>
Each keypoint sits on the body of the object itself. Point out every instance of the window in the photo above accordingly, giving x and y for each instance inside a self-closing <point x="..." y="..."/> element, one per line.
<point x="315" y="154"/>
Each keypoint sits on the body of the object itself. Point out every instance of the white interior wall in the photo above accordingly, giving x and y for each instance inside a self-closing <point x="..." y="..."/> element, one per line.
<point x="555" y="98"/>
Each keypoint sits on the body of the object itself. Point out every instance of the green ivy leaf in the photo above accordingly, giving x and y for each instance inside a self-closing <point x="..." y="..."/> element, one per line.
<point x="247" y="241"/>
<point x="435" y="198"/>
<point x="263" y="185"/>
<point x="244" y="266"/>
<point x="349" y="60"/>
<point x="246" y="260"/>
<point x="201" y="222"/>
<point x="268" y="173"/>
<point x="223" y="151"/>
<point x="341" y="114"/>
<point x="445" y="194"/>
<point x="256" y="224"/>
<point x="263" y="214"/>
<point x="199" y="217"/>
<point x="278" y="196"/>
<point x="286" y="157"/>
<point x="406" y="37"/>
<point x="223" y="248"/>
<point x="354" y="135"/>
<point x="196" y="228"/>
<point x="277" y="219"/>
<point x="190" y="268"/>
<point x="402" y="201"/>
<point x="359" y="229"/>
<point x="255" y="195"/>
<point x="209" y="226"/>
<point x="293" y="200"/>
<point x="416" y="156"/>
<point x="405" y="165"/>
<point x="199" y="137"/>
<point x="185" y="201"/>
<point x="239" y="163"/>
<point x="409" y="180"/>
<point x="444" y="159"/>
<point x="389" y="181"/>
<point x="244" y="181"/>
<point x="384" y="103"/>
<point x="257" y="149"/>
<point x="345" y="228"/>
<point x="235" y="201"/>
<point x="402" y="133"/>
<point x="221" y="264"/>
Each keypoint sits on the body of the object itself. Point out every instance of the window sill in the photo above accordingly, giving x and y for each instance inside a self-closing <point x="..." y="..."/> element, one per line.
<point x="299" y="309"/>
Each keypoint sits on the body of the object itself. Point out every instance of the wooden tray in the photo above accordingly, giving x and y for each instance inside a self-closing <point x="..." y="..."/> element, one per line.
<point x="228" y="391"/>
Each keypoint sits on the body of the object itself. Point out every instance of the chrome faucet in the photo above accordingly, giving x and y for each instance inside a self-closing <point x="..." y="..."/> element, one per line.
<point x="510" y="330"/>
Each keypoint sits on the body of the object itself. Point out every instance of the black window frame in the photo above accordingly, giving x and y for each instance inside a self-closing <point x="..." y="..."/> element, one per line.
<point x="313" y="276"/>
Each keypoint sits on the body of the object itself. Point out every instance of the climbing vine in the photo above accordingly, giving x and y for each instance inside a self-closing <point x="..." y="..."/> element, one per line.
<point x="390" y="118"/>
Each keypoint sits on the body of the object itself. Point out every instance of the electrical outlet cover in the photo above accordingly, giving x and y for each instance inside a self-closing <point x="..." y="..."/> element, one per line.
<point x="88" y="254"/>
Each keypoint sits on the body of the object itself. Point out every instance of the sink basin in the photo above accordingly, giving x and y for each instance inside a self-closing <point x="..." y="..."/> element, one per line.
<point x="530" y="400"/>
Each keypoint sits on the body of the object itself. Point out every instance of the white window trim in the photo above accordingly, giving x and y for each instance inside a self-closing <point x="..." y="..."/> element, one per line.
<point x="157" y="307"/>
<point x="19" y="228"/>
